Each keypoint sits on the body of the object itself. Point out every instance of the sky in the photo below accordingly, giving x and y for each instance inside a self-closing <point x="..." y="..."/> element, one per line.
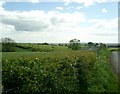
<point x="59" y="21"/>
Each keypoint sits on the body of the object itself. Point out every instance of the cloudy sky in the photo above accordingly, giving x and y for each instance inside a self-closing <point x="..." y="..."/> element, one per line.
<point x="58" y="21"/>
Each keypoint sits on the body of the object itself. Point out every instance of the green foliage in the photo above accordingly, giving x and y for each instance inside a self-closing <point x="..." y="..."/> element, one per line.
<point x="65" y="72"/>
<point x="57" y="72"/>
<point x="90" y="44"/>
<point x="103" y="46"/>
<point x="8" y="45"/>
<point x="103" y="79"/>
<point x="74" y="44"/>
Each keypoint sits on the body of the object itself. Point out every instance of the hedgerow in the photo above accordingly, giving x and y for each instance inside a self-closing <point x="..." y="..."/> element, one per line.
<point x="61" y="72"/>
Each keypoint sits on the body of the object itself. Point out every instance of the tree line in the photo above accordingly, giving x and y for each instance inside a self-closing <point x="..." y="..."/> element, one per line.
<point x="8" y="44"/>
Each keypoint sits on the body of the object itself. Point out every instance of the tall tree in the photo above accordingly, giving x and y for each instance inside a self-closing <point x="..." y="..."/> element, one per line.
<point x="8" y="45"/>
<point x="74" y="44"/>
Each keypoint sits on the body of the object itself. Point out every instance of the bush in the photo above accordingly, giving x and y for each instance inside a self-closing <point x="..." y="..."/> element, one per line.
<point x="45" y="74"/>
<point x="58" y="72"/>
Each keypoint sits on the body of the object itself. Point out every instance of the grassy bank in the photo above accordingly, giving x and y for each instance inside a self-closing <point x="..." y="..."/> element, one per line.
<point x="103" y="78"/>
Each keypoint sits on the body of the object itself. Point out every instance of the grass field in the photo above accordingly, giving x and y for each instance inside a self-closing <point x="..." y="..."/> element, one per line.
<point x="26" y="47"/>
<point x="114" y="49"/>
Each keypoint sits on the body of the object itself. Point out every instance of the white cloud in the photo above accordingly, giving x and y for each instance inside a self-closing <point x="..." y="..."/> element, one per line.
<point x="55" y="26"/>
<point x="104" y="30"/>
<point x="100" y="1"/>
<point x="59" y="8"/>
<point x="6" y="30"/>
<point x="67" y="2"/>
<point x="1" y="7"/>
<point x="104" y="24"/>
<point x="26" y="20"/>
<point x="104" y="10"/>
<point x="40" y="20"/>
<point x="34" y="1"/>
<point x="87" y="3"/>
<point x="2" y="2"/>
<point x="79" y="7"/>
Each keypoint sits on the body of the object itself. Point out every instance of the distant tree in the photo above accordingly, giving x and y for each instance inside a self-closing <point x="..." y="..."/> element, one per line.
<point x="66" y="44"/>
<point x="96" y="44"/>
<point x="103" y="46"/>
<point x="45" y="43"/>
<point x="8" y="45"/>
<point x="90" y="44"/>
<point x="60" y="44"/>
<point x="74" y="44"/>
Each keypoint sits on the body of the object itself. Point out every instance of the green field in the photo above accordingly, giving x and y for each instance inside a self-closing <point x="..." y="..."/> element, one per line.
<point x="114" y="49"/>
<point x="55" y="72"/>
<point x="26" y="47"/>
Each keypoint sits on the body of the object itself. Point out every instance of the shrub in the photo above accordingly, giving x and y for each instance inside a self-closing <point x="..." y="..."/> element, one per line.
<point x="58" y="72"/>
